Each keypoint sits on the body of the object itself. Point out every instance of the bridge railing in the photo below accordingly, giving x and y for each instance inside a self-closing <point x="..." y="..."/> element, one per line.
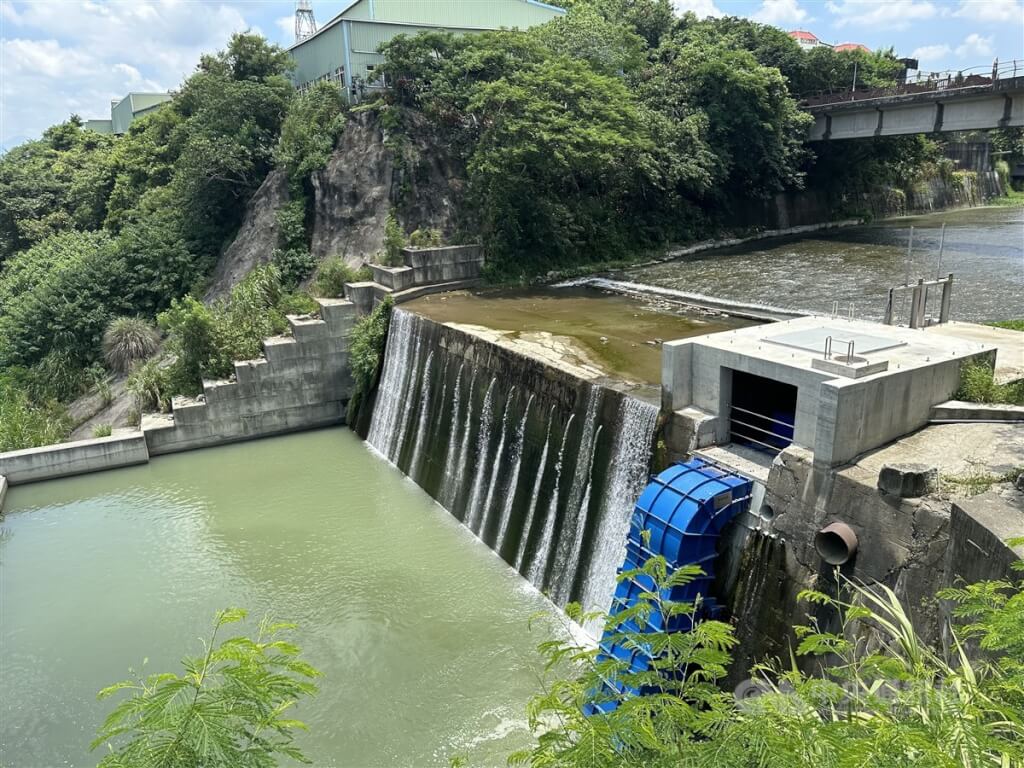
<point x="981" y="77"/>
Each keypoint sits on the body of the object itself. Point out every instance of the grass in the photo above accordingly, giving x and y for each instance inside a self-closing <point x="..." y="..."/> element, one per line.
<point x="1012" y="199"/>
<point x="978" y="385"/>
<point x="977" y="481"/>
<point x="102" y="430"/>
<point x="1013" y="325"/>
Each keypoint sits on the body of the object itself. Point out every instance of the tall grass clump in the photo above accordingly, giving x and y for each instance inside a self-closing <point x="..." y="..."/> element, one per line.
<point x="978" y="385"/>
<point x="127" y="341"/>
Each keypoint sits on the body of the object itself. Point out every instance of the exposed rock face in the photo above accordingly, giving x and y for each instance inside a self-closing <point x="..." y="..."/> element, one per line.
<point x="368" y="175"/>
<point x="256" y="239"/>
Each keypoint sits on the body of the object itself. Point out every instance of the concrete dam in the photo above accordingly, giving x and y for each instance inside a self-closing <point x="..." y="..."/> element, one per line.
<point x="541" y="466"/>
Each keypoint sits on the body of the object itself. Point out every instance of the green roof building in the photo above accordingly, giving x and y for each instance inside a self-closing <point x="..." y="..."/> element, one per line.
<point x="124" y="111"/>
<point x="344" y="50"/>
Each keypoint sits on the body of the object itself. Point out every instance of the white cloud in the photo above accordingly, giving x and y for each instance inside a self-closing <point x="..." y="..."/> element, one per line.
<point x="975" y="45"/>
<point x="80" y="55"/>
<point x="931" y="54"/>
<point x="287" y="25"/>
<point x="894" y="14"/>
<point x="702" y="8"/>
<point x="780" y="12"/>
<point x="992" y="11"/>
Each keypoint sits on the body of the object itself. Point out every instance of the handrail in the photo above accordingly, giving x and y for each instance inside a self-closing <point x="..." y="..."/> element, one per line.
<point x="982" y="76"/>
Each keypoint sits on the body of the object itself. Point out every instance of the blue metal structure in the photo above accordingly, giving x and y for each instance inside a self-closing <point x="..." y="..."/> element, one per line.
<point x="683" y="510"/>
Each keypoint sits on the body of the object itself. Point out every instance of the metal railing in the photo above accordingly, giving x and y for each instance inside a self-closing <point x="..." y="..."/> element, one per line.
<point x="762" y="434"/>
<point x="976" y="78"/>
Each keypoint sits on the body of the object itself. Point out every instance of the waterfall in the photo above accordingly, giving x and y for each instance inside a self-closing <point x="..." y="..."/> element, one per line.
<point x="467" y="428"/>
<point x="485" y="512"/>
<point x="569" y="569"/>
<point x="449" y="462"/>
<point x="385" y="412"/>
<point x="513" y="483"/>
<point x="421" y="426"/>
<point x="483" y="443"/>
<point x="572" y="525"/>
<point x="565" y="527"/>
<point x="629" y="463"/>
<point x="540" y="558"/>
<point x="395" y="447"/>
<point x="528" y="523"/>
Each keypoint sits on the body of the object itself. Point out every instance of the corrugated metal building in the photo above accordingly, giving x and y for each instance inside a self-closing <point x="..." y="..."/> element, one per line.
<point x="123" y="111"/>
<point x="344" y="50"/>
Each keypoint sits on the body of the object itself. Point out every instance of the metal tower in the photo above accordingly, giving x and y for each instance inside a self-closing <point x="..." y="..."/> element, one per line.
<point x="305" y="24"/>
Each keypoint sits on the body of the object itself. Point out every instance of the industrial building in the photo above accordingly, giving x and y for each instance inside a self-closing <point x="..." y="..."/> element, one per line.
<point x="124" y="111"/>
<point x="345" y="49"/>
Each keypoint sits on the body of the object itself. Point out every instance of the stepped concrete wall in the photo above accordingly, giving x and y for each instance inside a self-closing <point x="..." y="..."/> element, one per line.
<point x="303" y="381"/>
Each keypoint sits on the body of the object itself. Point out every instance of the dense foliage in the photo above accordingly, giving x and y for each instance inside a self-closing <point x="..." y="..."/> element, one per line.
<point x="618" y="126"/>
<point x="229" y="709"/>
<point x="883" y="698"/>
<point x="369" y="337"/>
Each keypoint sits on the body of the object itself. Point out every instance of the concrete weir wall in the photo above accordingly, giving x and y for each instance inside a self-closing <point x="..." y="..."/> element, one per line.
<point x="63" y="459"/>
<point x="302" y="381"/>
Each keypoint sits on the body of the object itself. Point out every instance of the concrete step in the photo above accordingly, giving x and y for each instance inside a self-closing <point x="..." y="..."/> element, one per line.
<point x="961" y="411"/>
<point x="425" y="290"/>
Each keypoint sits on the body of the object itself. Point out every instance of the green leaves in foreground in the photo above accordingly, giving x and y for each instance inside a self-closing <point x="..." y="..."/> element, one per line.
<point x="228" y="710"/>
<point x="860" y="690"/>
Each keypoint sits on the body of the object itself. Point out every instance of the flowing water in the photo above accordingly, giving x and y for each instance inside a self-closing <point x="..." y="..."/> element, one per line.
<point x="525" y="455"/>
<point x="983" y="248"/>
<point x="421" y="632"/>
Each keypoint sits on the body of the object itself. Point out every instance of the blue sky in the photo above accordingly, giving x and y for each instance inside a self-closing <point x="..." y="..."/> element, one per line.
<point x="63" y="56"/>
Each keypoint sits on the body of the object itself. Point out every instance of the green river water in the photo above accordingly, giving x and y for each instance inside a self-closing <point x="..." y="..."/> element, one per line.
<point x="421" y="631"/>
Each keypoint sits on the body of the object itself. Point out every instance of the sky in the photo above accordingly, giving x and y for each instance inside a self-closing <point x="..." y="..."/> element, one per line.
<point x="59" y="57"/>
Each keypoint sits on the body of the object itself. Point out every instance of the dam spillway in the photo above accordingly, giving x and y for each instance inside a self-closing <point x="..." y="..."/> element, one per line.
<point x="542" y="466"/>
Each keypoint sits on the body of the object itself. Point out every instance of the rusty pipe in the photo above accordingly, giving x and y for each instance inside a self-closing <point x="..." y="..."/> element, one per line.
<point x="836" y="543"/>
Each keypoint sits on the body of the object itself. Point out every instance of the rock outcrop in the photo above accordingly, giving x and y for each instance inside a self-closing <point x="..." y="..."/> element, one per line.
<point x="371" y="173"/>
<point x="256" y="239"/>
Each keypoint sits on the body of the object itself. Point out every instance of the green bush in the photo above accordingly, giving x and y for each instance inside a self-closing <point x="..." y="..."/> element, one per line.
<point x="425" y="238"/>
<point x="102" y="430"/>
<point x="295" y="265"/>
<point x="191" y="330"/>
<point x="24" y="424"/>
<point x="1012" y="325"/>
<point x="369" y="337"/>
<point x="394" y="241"/>
<point x="298" y="303"/>
<point x="228" y="709"/>
<point x="150" y="383"/>
<point x="332" y="276"/>
<point x="978" y="385"/>
<point x="878" y="696"/>
<point x="128" y="340"/>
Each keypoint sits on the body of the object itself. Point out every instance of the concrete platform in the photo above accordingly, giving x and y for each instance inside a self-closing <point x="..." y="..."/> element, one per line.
<point x="1010" y="345"/>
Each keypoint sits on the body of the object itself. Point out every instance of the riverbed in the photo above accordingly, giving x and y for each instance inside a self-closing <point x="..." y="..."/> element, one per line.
<point x="422" y="633"/>
<point x="983" y="248"/>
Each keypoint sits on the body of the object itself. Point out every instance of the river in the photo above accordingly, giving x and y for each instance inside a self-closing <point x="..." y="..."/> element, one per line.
<point x="422" y="633"/>
<point x="984" y="249"/>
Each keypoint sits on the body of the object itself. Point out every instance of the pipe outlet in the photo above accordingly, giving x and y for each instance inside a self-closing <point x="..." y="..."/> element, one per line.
<point x="836" y="543"/>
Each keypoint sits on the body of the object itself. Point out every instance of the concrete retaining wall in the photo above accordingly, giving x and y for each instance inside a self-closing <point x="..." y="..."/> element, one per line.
<point x="3" y="491"/>
<point x="302" y="382"/>
<point x="79" y="457"/>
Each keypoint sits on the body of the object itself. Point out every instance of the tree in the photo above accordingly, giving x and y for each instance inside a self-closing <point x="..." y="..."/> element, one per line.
<point x="228" y="710"/>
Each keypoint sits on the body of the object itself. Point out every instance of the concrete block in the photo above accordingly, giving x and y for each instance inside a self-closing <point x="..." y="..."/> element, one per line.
<point x="958" y="410"/>
<point x="280" y="348"/>
<point x="3" y="492"/>
<point x="908" y="480"/>
<point x="307" y="328"/>
<point x="248" y="371"/>
<point x="395" y="278"/>
<point x="220" y="390"/>
<point x="337" y="312"/>
<point x="188" y="411"/>
<point x="79" y="457"/>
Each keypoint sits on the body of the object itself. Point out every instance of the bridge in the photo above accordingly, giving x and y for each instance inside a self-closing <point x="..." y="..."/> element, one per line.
<point x="962" y="101"/>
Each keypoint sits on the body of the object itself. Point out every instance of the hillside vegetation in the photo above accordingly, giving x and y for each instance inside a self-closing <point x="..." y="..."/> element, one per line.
<point x="607" y="132"/>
